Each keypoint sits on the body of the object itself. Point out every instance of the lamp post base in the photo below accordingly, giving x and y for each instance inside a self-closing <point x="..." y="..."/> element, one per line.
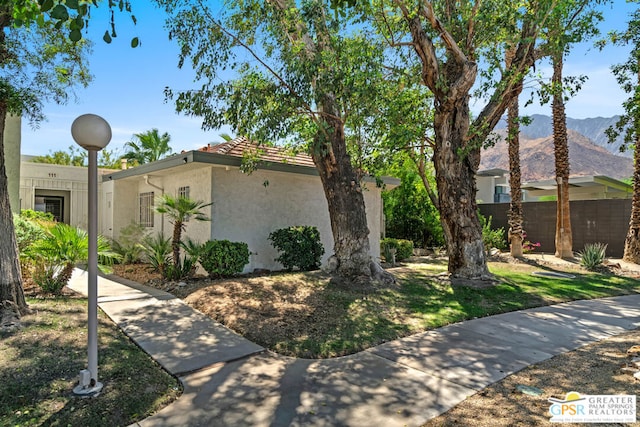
<point x="88" y="391"/>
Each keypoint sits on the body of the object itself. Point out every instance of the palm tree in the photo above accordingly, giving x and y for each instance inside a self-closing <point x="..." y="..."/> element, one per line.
<point x="564" y="237"/>
<point x="151" y="146"/>
<point x="180" y="209"/>
<point x="570" y="22"/>
<point x="516" y="233"/>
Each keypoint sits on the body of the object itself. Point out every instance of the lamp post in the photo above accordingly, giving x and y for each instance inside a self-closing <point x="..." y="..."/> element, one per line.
<point x="92" y="133"/>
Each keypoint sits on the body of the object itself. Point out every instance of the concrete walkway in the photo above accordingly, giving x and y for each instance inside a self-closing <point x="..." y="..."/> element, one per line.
<point x="229" y="381"/>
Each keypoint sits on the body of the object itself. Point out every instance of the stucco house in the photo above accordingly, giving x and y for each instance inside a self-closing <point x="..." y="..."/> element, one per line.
<point x="285" y="190"/>
<point x="58" y="189"/>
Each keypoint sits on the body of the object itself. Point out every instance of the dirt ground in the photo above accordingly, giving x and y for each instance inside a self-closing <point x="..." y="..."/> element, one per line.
<point x="593" y="369"/>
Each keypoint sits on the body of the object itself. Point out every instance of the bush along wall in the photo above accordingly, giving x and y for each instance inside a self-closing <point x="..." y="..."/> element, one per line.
<point x="299" y="246"/>
<point x="222" y="258"/>
<point x="404" y="248"/>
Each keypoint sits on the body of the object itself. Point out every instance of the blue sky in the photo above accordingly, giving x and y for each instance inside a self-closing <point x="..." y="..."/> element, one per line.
<point x="128" y="85"/>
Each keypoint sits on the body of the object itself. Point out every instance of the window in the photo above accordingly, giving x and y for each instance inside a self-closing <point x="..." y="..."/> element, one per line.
<point x="183" y="192"/>
<point x="146" y="209"/>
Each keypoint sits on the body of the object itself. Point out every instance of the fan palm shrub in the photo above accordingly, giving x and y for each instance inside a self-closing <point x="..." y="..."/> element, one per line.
<point x="179" y="210"/>
<point x="60" y="250"/>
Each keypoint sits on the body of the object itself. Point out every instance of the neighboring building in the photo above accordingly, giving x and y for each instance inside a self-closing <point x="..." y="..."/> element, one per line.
<point x="57" y="189"/>
<point x="582" y="188"/>
<point x="493" y="186"/>
<point x="284" y="191"/>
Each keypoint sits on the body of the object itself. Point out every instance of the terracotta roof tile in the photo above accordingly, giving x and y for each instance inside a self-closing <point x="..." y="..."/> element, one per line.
<point x="238" y="146"/>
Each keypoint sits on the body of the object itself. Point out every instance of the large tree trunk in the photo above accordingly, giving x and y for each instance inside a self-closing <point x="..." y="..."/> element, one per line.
<point x="12" y="301"/>
<point x="351" y="262"/>
<point x="564" y="238"/>
<point x="516" y="233"/>
<point x="632" y="242"/>
<point x="456" y="164"/>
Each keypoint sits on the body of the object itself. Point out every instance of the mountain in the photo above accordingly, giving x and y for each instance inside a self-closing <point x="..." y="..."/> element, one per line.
<point x="538" y="162"/>
<point x="592" y="128"/>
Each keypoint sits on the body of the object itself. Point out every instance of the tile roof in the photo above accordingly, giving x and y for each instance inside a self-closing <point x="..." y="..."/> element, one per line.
<point x="238" y="146"/>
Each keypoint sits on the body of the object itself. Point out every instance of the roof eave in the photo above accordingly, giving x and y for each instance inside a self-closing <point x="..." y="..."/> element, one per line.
<point x="221" y="160"/>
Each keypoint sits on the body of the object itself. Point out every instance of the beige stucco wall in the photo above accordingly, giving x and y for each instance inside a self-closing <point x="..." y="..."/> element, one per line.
<point x="198" y="179"/>
<point x="69" y="182"/>
<point x="120" y="197"/>
<point x="245" y="208"/>
<point x="12" y="140"/>
<point x="248" y="207"/>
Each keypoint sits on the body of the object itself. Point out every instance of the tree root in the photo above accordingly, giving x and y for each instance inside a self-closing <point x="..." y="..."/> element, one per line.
<point x="9" y="317"/>
<point x="370" y="281"/>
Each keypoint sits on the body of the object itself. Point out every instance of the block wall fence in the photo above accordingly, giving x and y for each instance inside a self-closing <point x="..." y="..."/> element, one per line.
<point x="592" y="221"/>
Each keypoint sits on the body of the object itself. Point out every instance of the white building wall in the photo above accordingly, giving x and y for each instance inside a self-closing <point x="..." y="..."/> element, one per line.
<point x="198" y="179"/>
<point x="248" y="208"/>
<point x="486" y="189"/>
<point x="68" y="182"/>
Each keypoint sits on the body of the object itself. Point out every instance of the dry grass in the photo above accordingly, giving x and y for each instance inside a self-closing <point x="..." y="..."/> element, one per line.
<point x="39" y="366"/>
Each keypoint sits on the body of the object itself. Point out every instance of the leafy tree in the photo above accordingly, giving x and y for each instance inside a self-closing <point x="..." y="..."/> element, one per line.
<point x="42" y="57"/>
<point x="150" y="147"/>
<point x="450" y="39"/>
<point x="301" y="69"/>
<point x="409" y="212"/>
<point x="108" y="159"/>
<point x="73" y="157"/>
<point x="628" y="77"/>
<point x="180" y="209"/>
<point x="38" y="63"/>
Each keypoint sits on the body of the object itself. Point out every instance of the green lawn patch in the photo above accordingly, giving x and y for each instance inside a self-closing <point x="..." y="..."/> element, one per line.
<point x="303" y="315"/>
<point x="39" y="366"/>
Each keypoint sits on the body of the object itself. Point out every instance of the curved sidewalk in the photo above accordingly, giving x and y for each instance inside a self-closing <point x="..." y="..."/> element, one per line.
<point x="231" y="381"/>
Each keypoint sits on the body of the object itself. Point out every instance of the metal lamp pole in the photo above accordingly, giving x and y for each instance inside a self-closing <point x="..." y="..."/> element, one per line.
<point x="92" y="133"/>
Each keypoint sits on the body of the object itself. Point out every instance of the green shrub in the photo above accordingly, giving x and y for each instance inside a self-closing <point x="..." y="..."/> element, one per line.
<point x="157" y="250"/>
<point x="130" y="243"/>
<point x="36" y="215"/>
<point x="492" y="238"/>
<point x="27" y="231"/>
<point x="593" y="255"/>
<point x="404" y="248"/>
<point x="299" y="246"/>
<point x="221" y="258"/>
<point x="408" y="210"/>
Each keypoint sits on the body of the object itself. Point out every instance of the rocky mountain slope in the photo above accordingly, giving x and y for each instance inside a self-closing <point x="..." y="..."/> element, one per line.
<point x="593" y="128"/>
<point x="537" y="158"/>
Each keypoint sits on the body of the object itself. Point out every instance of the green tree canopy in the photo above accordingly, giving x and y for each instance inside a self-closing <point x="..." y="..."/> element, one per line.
<point x="299" y="71"/>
